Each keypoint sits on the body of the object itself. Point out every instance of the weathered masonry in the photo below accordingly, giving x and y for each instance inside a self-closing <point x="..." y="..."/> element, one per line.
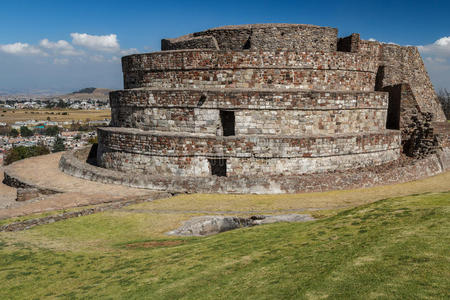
<point x="269" y="100"/>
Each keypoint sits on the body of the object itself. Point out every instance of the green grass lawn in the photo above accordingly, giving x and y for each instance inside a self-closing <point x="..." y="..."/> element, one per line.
<point x="394" y="248"/>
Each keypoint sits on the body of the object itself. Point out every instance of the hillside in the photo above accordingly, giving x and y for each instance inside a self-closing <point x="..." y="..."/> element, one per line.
<point x="393" y="248"/>
<point x="86" y="93"/>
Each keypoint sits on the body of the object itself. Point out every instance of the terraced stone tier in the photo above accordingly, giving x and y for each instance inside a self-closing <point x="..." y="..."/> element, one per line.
<point x="226" y="60"/>
<point x="396" y="172"/>
<point x="307" y="79"/>
<point x="199" y="166"/>
<point x="255" y="111"/>
<point x="250" y="69"/>
<point x="188" y="154"/>
<point x="291" y="99"/>
<point x="291" y="122"/>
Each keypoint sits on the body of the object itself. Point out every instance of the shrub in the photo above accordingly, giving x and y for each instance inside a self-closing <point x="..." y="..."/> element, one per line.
<point x="52" y="130"/>
<point x="21" y="152"/>
<point x="14" y="132"/>
<point x="93" y="140"/>
<point x="59" y="145"/>
<point x="25" y="131"/>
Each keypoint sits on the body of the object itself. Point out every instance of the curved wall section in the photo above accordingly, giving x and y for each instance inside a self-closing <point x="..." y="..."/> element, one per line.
<point x="209" y="59"/>
<point x="306" y="79"/>
<point x="186" y="154"/>
<point x="249" y="121"/>
<point x="255" y="111"/>
<point x="260" y="36"/>
<point x="290" y="99"/>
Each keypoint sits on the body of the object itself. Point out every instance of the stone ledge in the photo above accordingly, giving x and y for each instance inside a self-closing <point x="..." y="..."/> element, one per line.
<point x="286" y="78"/>
<point x="26" y="190"/>
<point x="235" y="60"/>
<point x="163" y="143"/>
<point x="254" y="99"/>
<point x="380" y="175"/>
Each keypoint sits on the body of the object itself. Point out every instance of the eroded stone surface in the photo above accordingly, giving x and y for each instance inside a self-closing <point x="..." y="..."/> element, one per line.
<point x="208" y="225"/>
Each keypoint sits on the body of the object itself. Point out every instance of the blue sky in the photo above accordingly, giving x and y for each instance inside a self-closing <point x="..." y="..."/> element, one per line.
<point x="65" y="45"/>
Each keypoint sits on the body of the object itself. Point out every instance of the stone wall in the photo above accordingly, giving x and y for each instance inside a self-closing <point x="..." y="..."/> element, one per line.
<point x="131" y="150"/>
<point x="289" y="99"/>
<point x="292" y="122"/>
<point x="262" y="36"/>
<point x="418" y="139"/>
<point x="404" y="65"/>
<point x="190" y="42"/>
<point x="256" y="112"/>
<point x="307" y="79"/>
<point x="25" y="190"/>
<point x="231" y="60"/>
<point x="200" y="166"/>
<point x="393" y="172"/>
<point x="349" y="43"/>
<point x="250" y="69"/>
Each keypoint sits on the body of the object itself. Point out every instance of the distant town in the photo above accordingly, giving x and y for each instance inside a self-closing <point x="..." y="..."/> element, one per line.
<point x="51" y="123"/>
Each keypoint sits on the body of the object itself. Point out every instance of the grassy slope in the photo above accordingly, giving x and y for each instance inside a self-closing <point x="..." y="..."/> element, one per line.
<point x="395" y="248"/>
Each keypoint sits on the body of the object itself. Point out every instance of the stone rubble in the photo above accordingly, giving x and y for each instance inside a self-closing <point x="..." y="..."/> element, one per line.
<point x="209" y="225"/>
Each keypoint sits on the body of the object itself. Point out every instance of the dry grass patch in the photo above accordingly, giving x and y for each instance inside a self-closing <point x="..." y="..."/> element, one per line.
<point x="12" y="116"/>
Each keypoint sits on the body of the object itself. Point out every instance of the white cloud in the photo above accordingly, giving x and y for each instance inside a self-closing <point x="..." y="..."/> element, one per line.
<point x="108" y="43"/>
<point x="372" y="40"/>
<point x="61" y="44"/>
<point x="60" y="47"/>
<point x="437" y="60"/>
<point x="443" y="42"/>
<point x="441" y="47"/>
<point x="22" y="49"/>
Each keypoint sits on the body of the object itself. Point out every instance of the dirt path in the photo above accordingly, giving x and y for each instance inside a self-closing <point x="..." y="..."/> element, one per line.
<point x="43" y="171"/>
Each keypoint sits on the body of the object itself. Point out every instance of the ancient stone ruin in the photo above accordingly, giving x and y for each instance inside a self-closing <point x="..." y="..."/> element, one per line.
<point x="270" y="108"/>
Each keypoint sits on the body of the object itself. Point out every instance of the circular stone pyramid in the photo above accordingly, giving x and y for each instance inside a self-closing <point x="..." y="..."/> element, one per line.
<point x="233" y="108"/>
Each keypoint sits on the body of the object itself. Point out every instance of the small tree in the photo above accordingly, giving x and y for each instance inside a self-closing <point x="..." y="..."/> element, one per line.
<point x="52" y="130"/>
<point x="25" y="131"/>
<point x="59" y="145"/>
<point x="14" y="132"/>
<point x="62" y="104"/>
